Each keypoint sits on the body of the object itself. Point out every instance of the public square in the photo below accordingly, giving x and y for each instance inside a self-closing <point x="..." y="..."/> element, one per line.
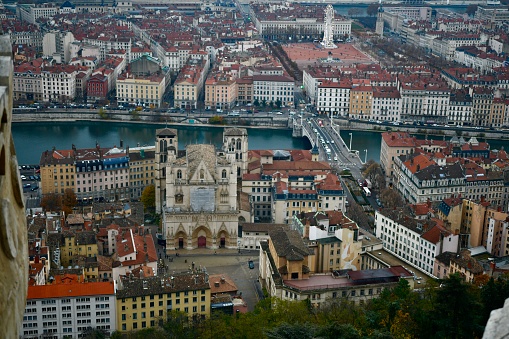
<point x="220" y="261"/>
<point x="305" y="54"/>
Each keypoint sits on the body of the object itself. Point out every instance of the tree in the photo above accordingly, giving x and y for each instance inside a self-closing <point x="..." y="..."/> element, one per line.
<point x="69" y="201"/>
<point x="390" y="198"/>
<point x="256" y="102"/>
<point x="135" y="115"/>
<point x="457" y="310"/>
<point x="291" y="331"/>
<point x="372" y="9"/>
<point x="51" y="202"/>
<point x="356" y="213"/>
<point x="148" y="198"/>
<point x="374" y="173"/>
<point x="216" y="120"/>
<point x="102" y="113"/>
<point x="471" y="9"/>
<point x="279" y="103"/>
<point x="93" y="333"/>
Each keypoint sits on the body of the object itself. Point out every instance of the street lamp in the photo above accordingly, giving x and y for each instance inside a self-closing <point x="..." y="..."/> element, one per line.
<point x="366" y="156"/>
<point x="350" y="148"/>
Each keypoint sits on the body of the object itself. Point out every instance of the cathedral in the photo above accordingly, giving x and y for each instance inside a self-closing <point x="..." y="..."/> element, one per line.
<point x="196" y="190"/>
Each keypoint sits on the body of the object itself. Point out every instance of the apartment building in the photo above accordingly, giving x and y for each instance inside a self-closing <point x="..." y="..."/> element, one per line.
<point x="59" y="83"/>
<point x="393" y="145"/>
<point x="304" y="193"/>
<point x="244" y="90"/>
<point x="482" y="100"/>
<point x="285" y="274"/>
<point x="141" y="169"/>
<point x="77" y="244"/>
<point x="141" y="303"/>
<point x="386" y="105"/>
<point x="459" y="112"/>
<point x="415" y="241"/>
<point x="109" y="43"/>
<point x="333" y="98"/>
<point x="423" y="98"/>
<point x="31" y="13"/>
<point x="67" y="307"/>
<point x="312" y="77"/>
<point x="273" y="88"/>
<point x="57" y="171"/>
<point x="333" y="237"/>
<point x="134" y="250"/>
<point x="360" y="102"/>
<point x="102" y="173"/>
<point x="419" y="178"/>
<point x="139" y="90"/>
<point x="189" y="84"/>
<point x="220" y="91"/>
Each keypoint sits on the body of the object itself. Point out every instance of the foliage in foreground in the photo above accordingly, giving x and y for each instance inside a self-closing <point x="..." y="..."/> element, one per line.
<point x="449" y="308"/>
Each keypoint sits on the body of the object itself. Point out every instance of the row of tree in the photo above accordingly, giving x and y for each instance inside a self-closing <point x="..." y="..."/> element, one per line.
<point x="449" y="308"/>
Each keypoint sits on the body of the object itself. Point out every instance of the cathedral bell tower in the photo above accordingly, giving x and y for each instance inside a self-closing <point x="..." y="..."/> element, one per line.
<point x="166" y="152"/>
<point x="235" y="146"/>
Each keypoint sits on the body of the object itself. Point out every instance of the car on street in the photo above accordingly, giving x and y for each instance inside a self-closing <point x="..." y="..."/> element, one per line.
<point x="250" y="264"/>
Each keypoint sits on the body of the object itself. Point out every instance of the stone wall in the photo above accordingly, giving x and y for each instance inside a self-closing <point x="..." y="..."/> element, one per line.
<point x="13" y="230"/>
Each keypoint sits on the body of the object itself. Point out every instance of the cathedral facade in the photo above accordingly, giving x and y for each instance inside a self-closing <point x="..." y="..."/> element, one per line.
<point x="196" y="190"/>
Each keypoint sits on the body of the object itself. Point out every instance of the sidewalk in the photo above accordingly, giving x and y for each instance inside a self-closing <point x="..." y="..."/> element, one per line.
<point x="200" y="252"/>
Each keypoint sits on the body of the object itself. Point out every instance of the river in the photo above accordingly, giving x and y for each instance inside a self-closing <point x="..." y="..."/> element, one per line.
<point x="33" y="138"/>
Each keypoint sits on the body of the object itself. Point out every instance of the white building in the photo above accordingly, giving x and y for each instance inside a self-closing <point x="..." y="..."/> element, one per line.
<point x="31" y="13"/>
<point x="67" y="307"/>
<point x="386" y="104"/>
<point x="333" y="97"/>
<point x="273" y="88"/>
<point x="415" y="241"/>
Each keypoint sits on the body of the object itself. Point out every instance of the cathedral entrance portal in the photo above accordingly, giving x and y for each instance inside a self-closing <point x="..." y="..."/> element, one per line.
<point x="223" y="242"/>
<point x="202" y="238"/>
<point x="181" y="242"/>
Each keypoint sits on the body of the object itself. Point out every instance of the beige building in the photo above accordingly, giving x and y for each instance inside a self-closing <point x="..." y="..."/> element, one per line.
<point x="57" y="171"/>
<point x="394" y="144"/>
<point x="220" y="91"/>
<point x="141" y="169"/>
<point x="139" y="90"/>
<point x="360" y="102"/>
<point x="245" y="90"/>
<point x="189" y="84"/>
<point x="334" y="239"/>
<point x="285" y="274"/>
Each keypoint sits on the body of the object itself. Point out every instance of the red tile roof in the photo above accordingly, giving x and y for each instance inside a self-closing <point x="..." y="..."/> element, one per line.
<point x="70" y="289"/>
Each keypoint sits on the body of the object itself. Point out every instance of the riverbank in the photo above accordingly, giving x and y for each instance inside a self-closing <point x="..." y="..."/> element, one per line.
<point x="264" y="120"/>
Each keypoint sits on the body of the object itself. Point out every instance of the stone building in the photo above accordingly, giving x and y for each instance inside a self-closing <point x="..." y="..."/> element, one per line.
<point x="197" y="190"/>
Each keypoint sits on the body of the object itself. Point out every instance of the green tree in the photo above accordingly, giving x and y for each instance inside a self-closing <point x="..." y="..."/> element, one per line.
<point x="216" y="120"/>
<point x="256" y="102"/>
<point x="135" y="115"/>
<point x="336" y="330"/>
<point x="103" y="114"/>
<point x="291" y="331"/>
<point x="457" y="310"/>
<point x="148" y="198"/>
<point x="279" y="103"/>
<point x="93" y="333"/>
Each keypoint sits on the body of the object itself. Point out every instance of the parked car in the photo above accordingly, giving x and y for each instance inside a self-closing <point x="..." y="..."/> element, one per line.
<point x="251" y="264"/>
<point x="23" y="177"/>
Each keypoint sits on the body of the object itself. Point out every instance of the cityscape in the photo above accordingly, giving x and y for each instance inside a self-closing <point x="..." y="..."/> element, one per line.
<point x="254" y="169"/>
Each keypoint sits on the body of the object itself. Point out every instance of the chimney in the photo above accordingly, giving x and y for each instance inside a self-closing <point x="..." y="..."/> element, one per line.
<point x="223" y="280"/>
<point x="36" y="259"/>
<point x="216" y="284"/>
